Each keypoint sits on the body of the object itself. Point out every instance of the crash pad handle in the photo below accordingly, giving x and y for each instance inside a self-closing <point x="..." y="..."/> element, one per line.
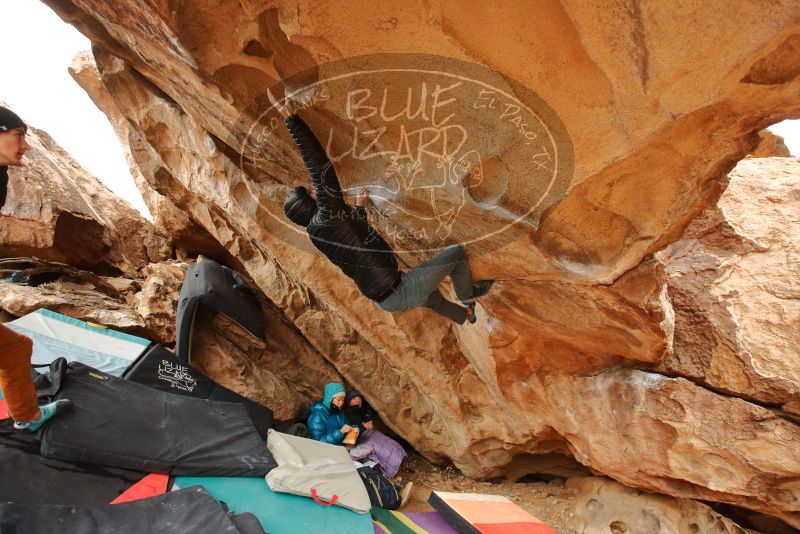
<point x="321" y="502"/>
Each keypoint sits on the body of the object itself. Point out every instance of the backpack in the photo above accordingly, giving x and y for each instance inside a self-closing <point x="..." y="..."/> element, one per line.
<point x="382" y="492"/>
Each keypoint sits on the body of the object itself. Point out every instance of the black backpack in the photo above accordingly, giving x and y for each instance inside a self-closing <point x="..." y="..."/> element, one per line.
<point x="382" y="492"/>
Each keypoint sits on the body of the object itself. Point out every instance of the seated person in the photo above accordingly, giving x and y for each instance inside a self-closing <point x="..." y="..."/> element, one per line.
<point x="357" y="412"/>
<point x="326" y="420"/>
<point x="385" y="451"/>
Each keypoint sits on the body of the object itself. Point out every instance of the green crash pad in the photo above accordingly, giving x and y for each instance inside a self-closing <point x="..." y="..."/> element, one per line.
<point x="280" y="513"/>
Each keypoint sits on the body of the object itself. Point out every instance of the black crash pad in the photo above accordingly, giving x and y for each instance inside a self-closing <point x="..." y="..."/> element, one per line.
<point x="27" y="477"/>
<point x="119" y="423"/>
<point x="191" y="510"/>
<point x="160" y="369"/>
<point x="221" y="289"/>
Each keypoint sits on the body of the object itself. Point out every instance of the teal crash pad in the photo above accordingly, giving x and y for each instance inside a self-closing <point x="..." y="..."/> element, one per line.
<point x="280" y="513"/>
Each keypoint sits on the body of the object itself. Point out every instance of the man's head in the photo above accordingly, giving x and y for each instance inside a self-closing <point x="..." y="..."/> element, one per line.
<point x="12" y="138"/>
<point x="299" y="207"/>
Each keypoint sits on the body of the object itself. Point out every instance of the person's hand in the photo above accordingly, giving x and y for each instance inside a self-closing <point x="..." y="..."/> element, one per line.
<point x="362" y="199"/>
<point x="345" y="429"/>
<point x="285" y="106"/>
<point x="369" y="425"/>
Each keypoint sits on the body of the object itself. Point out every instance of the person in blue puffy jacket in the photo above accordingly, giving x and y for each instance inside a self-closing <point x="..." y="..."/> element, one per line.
<point x="326" y="419"/>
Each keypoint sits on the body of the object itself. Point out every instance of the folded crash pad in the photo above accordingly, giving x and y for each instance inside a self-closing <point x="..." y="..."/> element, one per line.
<point x="27" y="477"/>
<point x="55" y="335"/>
<point x="476" y="513"/>
<point x="159" y="368"/>
<point x="120" y="423"/>
<point x="280" y="513"/>
<point x="218" y="288"/>
<point x="316" y="469"/>
<point x="191" y="510"/>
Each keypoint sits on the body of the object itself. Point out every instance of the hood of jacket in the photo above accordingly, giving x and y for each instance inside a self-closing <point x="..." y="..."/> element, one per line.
<point x="331" y="390"/>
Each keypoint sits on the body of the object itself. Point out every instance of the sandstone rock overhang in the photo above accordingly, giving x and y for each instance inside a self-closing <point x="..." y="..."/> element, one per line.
<point x="657" y="104"/>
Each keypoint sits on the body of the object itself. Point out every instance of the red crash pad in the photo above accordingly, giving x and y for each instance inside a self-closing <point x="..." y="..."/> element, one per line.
<point x="149" y="486"/>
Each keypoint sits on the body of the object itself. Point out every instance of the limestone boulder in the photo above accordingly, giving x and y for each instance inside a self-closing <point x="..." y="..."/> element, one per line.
<point x="588" y="137"/>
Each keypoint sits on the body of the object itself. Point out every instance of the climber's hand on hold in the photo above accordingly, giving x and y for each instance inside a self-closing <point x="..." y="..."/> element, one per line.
<point x="362" y="199"/>
<point x="284" y="106"/>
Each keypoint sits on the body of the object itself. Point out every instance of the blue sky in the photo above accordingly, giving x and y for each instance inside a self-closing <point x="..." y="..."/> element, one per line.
<point x="36" y="85"/>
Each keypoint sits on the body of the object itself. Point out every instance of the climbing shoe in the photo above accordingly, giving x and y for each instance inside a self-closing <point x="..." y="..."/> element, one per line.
<point x="471" y="317"/>
<point x="479" y="290"/>
<point x="47" y="411"/>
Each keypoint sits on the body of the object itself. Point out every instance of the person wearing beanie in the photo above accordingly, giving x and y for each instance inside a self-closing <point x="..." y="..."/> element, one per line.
<point x="326" y="419"/>
<point x="357" y="412"/>
<point x="16" y="349"/>
<point x="12" y="146"/>
<point x="344" y="236"/>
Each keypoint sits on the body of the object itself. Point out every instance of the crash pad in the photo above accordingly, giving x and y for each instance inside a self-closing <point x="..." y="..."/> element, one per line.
<point x="120" y="423"/>
<point x="394" y="522"/>
<point x="221" y="289"/>
<point x="27" y="477"/>
<point x="191" y="510"/>
<point x="150" y="486"/>
<point x="485" y="514"/>
<point x="159" y="368"/>
<point x="55" y="335"/>
<point x="280" y="513"/>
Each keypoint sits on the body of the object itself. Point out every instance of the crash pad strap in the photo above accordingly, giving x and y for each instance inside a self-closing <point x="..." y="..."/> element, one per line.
<point x="334" y="498"/>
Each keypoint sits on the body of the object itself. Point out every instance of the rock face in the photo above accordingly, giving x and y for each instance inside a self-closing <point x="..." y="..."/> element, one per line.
<point x="281" y="372"/>
<point x="771" y="145"/>
<point x="603" y="506"/>
<point x="734" y="281"/>
<point x="185" y="235"/>
<point x="57" y="211"/>
<point x="157" y="300"/>
<point x="564" y="143"/>
<point x="78" y="301"/>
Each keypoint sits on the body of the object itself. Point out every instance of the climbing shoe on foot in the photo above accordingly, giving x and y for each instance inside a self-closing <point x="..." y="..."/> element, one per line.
<point x="471" y="317"/>
<point x="479" y="290"/>
<point x="47" y="411"/>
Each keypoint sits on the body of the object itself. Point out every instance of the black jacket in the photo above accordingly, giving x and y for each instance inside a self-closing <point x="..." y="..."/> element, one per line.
<point x="342" y="232"/>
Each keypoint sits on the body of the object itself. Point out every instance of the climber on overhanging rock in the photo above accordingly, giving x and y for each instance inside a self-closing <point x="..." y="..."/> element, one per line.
<point x="343" y="234"/>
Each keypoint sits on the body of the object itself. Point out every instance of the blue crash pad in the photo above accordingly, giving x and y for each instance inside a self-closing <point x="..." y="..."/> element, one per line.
<point x="280" y="513"/>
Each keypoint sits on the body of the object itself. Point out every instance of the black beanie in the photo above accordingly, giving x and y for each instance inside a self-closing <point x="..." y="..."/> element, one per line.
<point x="10" y="120"/>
